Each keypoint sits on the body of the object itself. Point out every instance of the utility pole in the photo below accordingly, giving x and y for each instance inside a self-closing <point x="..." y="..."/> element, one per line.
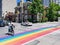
<point x="21" y="5"/>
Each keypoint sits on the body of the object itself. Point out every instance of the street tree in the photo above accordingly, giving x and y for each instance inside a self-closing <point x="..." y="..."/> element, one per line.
<point x="53" y="11"/>
<point x="36" y="7"/>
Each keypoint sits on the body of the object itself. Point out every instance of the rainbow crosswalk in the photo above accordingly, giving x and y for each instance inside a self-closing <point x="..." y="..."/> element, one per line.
<point x="21" y="38"/>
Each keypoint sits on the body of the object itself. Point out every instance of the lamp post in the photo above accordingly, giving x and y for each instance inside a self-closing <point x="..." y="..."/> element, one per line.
<point x="21" y="5"/>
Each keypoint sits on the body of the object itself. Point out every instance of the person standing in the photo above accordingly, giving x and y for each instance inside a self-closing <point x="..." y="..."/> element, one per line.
<point x="4" y="14"/>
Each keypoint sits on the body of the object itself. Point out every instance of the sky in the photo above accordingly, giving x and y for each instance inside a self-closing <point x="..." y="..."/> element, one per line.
<point x="45" y="2"/>
<point x="19" y="0"/>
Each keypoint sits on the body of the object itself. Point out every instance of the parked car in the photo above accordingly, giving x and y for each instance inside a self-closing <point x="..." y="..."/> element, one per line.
<point x="3" y="23"/>
<point x="26" y="23"/>
<point x="6" y="23"/>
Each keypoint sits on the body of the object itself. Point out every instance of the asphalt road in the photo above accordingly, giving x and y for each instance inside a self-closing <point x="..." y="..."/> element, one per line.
<point x="18" y="28"/>
<point x="50" y="39"/>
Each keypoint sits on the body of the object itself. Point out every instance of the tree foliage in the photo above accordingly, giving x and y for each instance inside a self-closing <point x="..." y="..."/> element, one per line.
<point x="35" y="7"/>
<point x="53" y="12"/>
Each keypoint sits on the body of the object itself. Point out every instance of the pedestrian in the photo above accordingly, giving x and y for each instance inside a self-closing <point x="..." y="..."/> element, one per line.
<point x="11" y="29"/>
<point x="5" y="14"/>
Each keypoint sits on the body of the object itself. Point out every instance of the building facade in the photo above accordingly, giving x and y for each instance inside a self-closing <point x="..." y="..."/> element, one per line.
<point x="7" y="5"/>
<point x="23" y="10"/>
<point x="0" y="8"/>
<point x="57" y="1"/>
